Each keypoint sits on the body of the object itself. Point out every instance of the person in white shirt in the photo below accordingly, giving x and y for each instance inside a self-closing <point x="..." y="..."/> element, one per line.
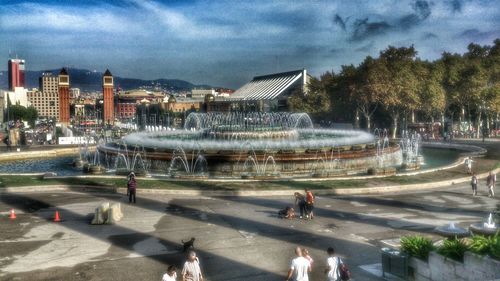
<point x="332" y="264"/>
<point x="171" y="275"/>
<point x="299" y="267"/>
<point x="191" y="270"/>
<point x="468" y="165"/>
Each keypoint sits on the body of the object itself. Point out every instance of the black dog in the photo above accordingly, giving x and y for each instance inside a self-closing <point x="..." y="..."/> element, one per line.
<point x="188" y="244"/>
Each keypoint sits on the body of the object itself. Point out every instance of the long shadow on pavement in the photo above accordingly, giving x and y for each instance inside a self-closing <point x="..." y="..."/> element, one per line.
<point x="23" y="202"/>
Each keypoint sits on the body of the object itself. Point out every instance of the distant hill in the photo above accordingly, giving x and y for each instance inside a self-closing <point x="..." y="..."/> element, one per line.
<point x="88" y="80"/>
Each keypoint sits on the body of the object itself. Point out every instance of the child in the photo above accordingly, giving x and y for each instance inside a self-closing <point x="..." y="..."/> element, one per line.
<point x="287" y="213"/>
<point x="305" y="254"/>
<point x="171" y="275"/>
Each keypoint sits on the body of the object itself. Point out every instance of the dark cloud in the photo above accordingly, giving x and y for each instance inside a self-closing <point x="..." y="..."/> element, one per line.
<point x="409" y="21"/>
<point x="477" y="35"/>
<point x="336" y="50"/>
<point x="422" y="9"/>
<point x="339" y="21"/>
<point x="363" y="29"/>
<point x="429" y="36"/>
<point x="365" y="48"/>
<point x="366" y="28"/>
<point x="456" y="6"/>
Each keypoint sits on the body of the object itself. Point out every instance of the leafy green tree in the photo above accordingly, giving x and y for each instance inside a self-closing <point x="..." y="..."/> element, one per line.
<point x="432" y="94"/>
<point x="31" y="114"/>
<point x="398" y="83"/>
<point x="314" y="101"/>
<point x="363" y="88"/>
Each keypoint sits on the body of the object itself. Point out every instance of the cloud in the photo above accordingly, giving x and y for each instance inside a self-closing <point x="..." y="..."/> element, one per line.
<point x="226" y="42"/>
<point x="429" y="36"/>
<point x="475" y="35"/>
<point x="365" y="48"/>
<point x="456" y="6"/>
<point x="422" y="9"/>
<point x="28" y="16"/>
<point x="363" y="29"/>
<point x="339" y="21"/>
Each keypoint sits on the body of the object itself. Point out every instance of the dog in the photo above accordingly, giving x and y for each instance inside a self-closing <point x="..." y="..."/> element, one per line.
<point x="188" y="245"/>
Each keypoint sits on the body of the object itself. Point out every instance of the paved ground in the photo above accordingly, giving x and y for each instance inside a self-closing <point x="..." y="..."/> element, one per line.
<point x="236" y="238"/>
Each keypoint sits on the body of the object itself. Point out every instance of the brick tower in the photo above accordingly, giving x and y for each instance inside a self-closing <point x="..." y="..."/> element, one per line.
<point x="108" y="116"/>
<point x="63" y="89"/>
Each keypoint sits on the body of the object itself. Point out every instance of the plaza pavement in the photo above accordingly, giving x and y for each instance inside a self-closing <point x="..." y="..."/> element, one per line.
<point x="237" y="238"/>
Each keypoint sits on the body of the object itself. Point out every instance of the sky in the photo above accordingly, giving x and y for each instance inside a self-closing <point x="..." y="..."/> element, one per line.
<point x="226" y="43"/>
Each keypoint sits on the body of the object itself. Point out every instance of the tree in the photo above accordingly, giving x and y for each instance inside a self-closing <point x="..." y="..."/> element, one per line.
<point x="31" y="114"/>
<point x="314" y="101"/>
<point x="361" y="87"/>
<point x="453" y="65"/>
<point x="432" y="94"/>
<point x="398" y="82"/>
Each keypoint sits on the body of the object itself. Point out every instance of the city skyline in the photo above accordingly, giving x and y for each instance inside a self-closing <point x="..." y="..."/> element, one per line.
<point x="225" y="43"/>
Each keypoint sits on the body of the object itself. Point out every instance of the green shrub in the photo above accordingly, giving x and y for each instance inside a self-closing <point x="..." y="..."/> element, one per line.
<point x="486" y="245"/>
<point x="494" y="249"/>
<point x="417" y="246"/>
<point x="453" y="249"/>
<point x="479" y="244"/>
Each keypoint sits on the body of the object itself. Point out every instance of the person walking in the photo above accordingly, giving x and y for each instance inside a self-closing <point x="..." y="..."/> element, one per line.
<point x="468" y="165"/>
<point x="299" y="267"/>
<point x="171" y="275"/>
<point x="490" y="182"/>
<point x="300" y="200"/>
<point x="473" y="183"/>
<point x="332" y="266"/>
<point x="191" y="270"/>
<point x="131" y="188"/>
<point x="309" y="204"/>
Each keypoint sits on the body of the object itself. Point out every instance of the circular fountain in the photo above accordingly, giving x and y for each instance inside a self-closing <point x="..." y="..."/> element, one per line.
<point x="250" y="145"/>
<point x="451" y="231"/>
<point x="485" y="228"/>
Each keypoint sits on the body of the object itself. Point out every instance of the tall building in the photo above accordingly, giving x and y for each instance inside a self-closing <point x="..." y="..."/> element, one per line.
<point x="46" y="100"/>
<point x="108" y="98"/>
<point x="16" y="73"/>
<point x="63" y="89"/>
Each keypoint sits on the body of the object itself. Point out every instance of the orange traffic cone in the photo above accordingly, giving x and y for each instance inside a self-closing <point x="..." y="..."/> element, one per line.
<point x="12" y="214"/>
<point x="56" y="217"/>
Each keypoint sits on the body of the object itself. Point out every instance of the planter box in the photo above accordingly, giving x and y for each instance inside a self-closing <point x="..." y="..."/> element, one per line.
<point x="419" y="270"/>
<point x="440" y="268"/>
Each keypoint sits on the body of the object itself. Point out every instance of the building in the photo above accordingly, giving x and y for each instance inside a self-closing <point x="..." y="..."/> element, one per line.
<point x="126" y="102"/>
<point x="74" y="93"/>
<point x="179" y="104"/>
<point x="264" y="93"/>
<point x="46" y="99"/>
<point x="18" y="96"/>
<point x="2" y="104"/>
<point x="64" y="103"/>
<point x="201" y="93"/>
<point x="16" y="73"/>
<point x="108" y="116"/>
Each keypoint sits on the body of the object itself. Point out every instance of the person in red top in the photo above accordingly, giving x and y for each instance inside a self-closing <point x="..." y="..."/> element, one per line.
<point x="131" y="187"/>
<point x="309" y="203"/>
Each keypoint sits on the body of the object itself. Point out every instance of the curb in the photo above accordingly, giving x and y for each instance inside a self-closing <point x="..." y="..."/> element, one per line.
<point x="243" y="193"/>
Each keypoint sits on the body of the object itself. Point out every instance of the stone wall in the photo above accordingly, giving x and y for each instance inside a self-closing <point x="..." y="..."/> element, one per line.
<point x="440" y="268"/>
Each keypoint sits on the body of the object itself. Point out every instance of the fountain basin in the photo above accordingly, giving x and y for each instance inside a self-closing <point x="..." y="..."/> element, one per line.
<point x="480" y="228"/>
<point x="252" y="145"/>
<point x="93" y="169"/>
<point x="126" y="172"/>
<point x="452" y="231"/>
<point x="78" y="163"/>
